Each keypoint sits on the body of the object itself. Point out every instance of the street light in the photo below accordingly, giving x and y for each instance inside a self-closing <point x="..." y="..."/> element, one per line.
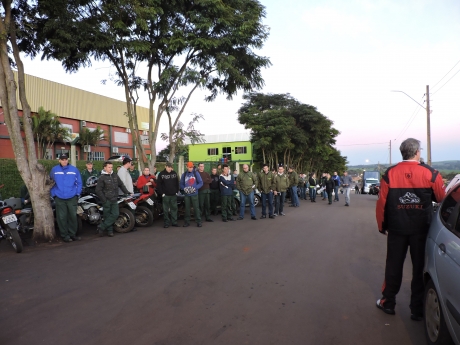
<point x="428" y="126"/>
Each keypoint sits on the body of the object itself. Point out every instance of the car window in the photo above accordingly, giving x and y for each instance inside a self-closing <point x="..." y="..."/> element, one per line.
<point x="450" y="209"/>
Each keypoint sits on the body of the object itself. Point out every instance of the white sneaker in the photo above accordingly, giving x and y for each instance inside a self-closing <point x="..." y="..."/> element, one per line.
<point x="282" y="213"/>
<point x="275" y="214"/>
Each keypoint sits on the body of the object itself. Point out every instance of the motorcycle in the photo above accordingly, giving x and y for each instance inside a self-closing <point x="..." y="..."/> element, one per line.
<point x="9" y="227"/>
<point x="144" y="215"/>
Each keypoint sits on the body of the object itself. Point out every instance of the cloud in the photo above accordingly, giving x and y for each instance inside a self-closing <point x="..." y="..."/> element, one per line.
<point x="336" y="21"/>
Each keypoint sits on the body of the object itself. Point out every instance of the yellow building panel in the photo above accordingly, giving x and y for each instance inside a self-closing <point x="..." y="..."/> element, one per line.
<point x="70" y="102"/>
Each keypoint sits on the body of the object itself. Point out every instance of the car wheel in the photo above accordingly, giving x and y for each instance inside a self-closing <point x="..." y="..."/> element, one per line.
<point x="435" y="325"/>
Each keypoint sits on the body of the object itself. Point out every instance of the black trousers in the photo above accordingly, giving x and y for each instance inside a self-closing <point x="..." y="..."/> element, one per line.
<point x="396" y="254"/>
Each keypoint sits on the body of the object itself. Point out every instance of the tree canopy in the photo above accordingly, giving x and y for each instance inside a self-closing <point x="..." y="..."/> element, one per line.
<point x="284" y="130"/>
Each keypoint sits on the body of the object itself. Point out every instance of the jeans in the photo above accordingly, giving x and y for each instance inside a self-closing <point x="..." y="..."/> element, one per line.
<point x="294" y="196"/>
<point x="269" y="197"/>
<point x="325" y="194"/>
<point x="312" y="194"/>
<point x="346" y="191"/>
<point x="336" y="192"/>
<point x="250" y="198"/>
<point x="279" y="202"/>
<point x="303" y="193"/>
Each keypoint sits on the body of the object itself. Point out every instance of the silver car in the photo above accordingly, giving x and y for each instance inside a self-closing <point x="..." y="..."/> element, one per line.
<point x="442" y="273"/>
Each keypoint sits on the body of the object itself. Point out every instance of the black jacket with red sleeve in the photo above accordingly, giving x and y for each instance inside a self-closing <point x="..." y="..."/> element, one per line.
<point x="405" y="202"/>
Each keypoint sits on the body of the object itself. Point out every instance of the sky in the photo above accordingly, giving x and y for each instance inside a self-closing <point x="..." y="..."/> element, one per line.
<point x="344" y="58"/>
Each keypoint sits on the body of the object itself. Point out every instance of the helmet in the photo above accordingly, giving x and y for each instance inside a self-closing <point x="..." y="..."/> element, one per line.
<point x="91" y="181"/>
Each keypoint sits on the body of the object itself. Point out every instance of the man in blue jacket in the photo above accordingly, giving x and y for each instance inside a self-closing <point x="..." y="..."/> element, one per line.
<point x="190" y="182"/>
<point x="67" y="186"/>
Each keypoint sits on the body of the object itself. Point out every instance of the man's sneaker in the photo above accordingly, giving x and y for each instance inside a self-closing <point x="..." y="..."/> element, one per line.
<point x="347" y="205"/>
<point x="175" y="225"/>
<point x="199" y="225"/>
<point x="231" y="219"/>
<point x="110" y="234"/>
<point x="282" y="213"/>
<point x="275" y="214"/>
<point x="263" y="216"/>
<point x="75" y="238"/>
<point x="240" y="218"/>
<point x="271" y="217"/>
<point x="253" y="218"/>
<point x="68" y="239"/>
<point x="186" y="225"/>
<point x="209" y="220"/>
<point x="224" y="220"/>
<point x="385" y="310"/>
<point x="166" y="226"/>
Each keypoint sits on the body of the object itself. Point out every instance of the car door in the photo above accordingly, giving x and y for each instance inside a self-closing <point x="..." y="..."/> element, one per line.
<point x="447" y="259"/>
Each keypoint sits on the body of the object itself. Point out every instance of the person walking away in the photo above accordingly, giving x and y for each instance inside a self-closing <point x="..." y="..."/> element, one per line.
<point x="67" y="187"/>
<point x="215" y="191"/>
<point x="227" y="185"/>
<point x="336" y="179"/>
<point x="190" y="182"/>
<point x="124" y="175"/>
<point x="168" y="187"/>
<point x="204" y="193"/>
<point x="346" y="184"/>
<point x="404" y="211"/>
<point x="293" y="182"/>
<point x="281" y="186"/>
<point x="246" y="182"/>
<point x="107" y="191"/>
<point x="356" y="189"/>
<point x="134" y="173"/>
<point x="330" y="184"/>
<point x="86" y="174"/>
<point x="266" y="182"/>
<point x="312" y="182"/>
<point x="146" y="179"/>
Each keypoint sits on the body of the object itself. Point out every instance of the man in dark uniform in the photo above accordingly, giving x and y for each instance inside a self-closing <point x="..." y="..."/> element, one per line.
<point x="215" y="191"/>
<point x="204" y="193"/>
<point x="404" y="211"/>
<point x="86" y="174"/>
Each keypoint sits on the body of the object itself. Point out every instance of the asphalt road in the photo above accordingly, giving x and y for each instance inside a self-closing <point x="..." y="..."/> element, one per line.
<point x="311" y="277"/>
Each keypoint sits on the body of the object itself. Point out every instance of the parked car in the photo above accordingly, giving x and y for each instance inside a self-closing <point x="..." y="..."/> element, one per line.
<point x="442" y="272"/>
<point x="118" y="158"/>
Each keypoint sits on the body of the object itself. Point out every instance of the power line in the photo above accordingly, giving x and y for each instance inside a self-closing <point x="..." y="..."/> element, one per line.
<point x="364" y="144"/>
<point x="446" y="74"/>
<point x="409" y="122"/>
<point x="446" y="82"/>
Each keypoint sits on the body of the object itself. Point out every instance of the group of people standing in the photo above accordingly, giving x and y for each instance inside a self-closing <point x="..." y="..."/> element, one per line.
<point x="330" y="184"/>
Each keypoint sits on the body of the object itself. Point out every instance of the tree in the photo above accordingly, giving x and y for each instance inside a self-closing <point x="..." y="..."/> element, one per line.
<point x="14" y="32"/>
<point x="184" y="45"/>
<point x="178" y="134"/>
<point x="91" y="137"/>
<point x="287" y="131"/>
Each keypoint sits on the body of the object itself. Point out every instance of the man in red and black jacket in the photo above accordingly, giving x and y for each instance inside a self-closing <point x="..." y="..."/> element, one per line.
<point x="404" y="212"/>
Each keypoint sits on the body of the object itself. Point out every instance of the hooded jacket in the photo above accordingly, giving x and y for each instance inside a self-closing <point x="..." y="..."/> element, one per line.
<point x="189" y="181"/>
<point x="107" y="187"/>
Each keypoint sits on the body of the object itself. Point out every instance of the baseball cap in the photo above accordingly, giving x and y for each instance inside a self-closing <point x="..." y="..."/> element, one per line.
<point x="190" y="165"/>
<point x="89" y="162"/>
<point x="169" y="164"/>
<point x="63" y="156"/>
<point x="126" y="160"/>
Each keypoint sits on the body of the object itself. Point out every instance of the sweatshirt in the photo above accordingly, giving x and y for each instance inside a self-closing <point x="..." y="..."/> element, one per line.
<point x="125" y="177"/>
<point x="167" y="183"/>
<point x="206" y="178"/>
<point x="191" y="182"/>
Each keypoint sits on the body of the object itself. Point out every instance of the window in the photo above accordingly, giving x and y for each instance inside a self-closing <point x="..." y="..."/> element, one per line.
<point x="144" y="139"/>
<point x="96" y="156"/>
<point x="70" y="127"/>
<point x="226" y="150"/>
<point x="121" y="137"/>
<point x="240" y="150"/>
<point x="450" y="208"/>
<point x="213" y="152"/>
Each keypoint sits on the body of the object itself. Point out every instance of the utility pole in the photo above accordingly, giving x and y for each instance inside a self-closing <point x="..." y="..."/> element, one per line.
<point x="428" y="126"/>
<point x="390" y="152"/>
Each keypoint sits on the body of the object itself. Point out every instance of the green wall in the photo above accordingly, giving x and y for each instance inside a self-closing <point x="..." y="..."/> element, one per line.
<point x="199" y="152"/>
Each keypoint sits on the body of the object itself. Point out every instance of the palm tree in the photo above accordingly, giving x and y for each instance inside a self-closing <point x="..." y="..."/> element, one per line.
<point x="47" y="129"/>
<point x="91" y="137"/>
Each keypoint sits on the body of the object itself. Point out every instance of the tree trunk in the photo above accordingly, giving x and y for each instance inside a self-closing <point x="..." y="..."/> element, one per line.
<point x="33" y="173"/>
<point x="263" y="154"/>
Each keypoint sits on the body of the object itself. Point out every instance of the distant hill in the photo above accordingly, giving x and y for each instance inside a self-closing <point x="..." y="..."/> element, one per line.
<point x="448" y="166"/>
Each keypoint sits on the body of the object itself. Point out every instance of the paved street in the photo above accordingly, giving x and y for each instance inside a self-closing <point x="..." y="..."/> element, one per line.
<point x="311" y="277"/>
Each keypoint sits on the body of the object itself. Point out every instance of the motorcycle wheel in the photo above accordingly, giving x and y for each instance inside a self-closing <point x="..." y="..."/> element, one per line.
<point x="257" y="201"/>
<point x="144" y="217"/>
<point x="15" y="240"/>
<point x="125" y="221"/>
